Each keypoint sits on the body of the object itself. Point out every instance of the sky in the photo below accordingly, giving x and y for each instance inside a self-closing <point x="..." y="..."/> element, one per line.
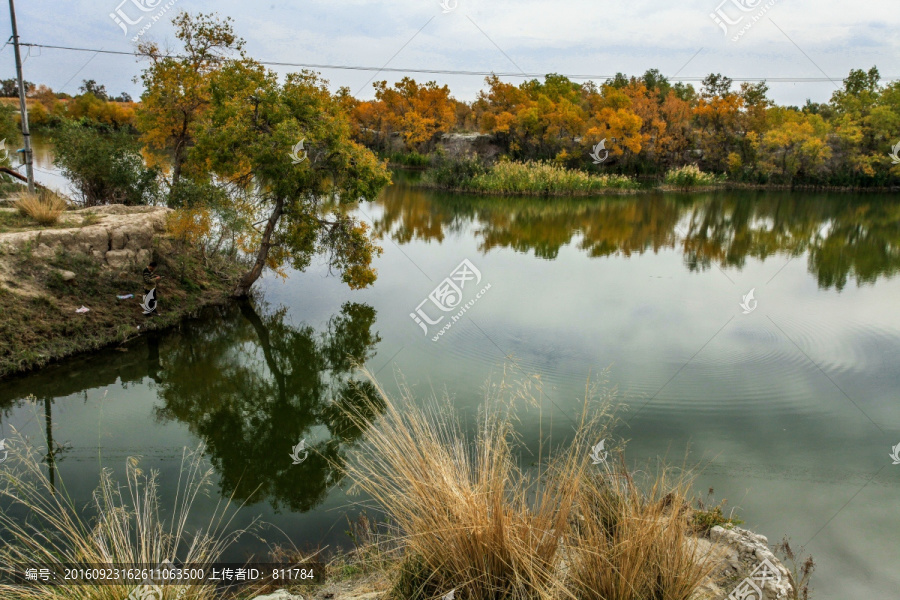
<point x="756" y="39"/>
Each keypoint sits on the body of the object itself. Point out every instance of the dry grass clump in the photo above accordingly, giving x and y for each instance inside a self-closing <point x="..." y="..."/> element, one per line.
<point x="41" y="526"/>
<point x="45" y="207"/>
<point x="631" y="543"/>
<point x="470" y="518"/>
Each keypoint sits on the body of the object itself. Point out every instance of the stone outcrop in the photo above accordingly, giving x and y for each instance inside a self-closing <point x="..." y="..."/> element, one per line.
<point x="746" y="566"/>
<point x="462" y="144"/>
<point x="118" y="236"/>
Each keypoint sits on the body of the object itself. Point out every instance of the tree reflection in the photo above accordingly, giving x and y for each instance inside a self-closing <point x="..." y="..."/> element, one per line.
<point x="253" y="385"/>
<point x="845" y="236"/>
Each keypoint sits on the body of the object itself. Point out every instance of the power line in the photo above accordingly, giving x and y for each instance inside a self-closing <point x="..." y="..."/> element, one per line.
<point x="459" y="72"/>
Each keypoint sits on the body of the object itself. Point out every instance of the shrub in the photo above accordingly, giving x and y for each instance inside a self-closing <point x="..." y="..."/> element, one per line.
<point x="45" y="207"/>
<point x="690" y="176"/>
<point x="454" y="173"/>
<point x="104" y="165"/>
<point x="536" y="177"/>
<point x="409" y="159"/>
<point x="526" y="178"/>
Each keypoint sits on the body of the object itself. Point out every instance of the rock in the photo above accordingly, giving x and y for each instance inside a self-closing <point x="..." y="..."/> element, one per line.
<point x="120" y="259"/>
<point x="744" y="552"/>
<point x="122" y="236"/>
<point x="143" y="257"/>
<point x="280" y="595"/>
<point x="95" y="237"/>
<point x="67" y="275"/>
<point x="44" y="251"/>
<point x="117" y="240"/>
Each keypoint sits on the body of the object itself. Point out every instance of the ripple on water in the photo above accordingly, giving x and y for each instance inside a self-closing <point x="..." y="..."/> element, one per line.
<point x="755" y="366"/>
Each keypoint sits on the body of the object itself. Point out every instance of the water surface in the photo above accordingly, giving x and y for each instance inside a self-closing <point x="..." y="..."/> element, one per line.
<point x="791" y="407"/>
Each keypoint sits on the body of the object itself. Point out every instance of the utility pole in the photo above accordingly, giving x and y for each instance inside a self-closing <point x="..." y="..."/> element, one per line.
<point x="29" y="166"/>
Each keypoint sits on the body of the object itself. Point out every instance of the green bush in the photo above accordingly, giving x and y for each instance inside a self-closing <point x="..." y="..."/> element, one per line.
<point x="105" y="166"/>
<point x="409" y="159"/>
<point x="454" y="173"/>
<point x="690" y="176"/>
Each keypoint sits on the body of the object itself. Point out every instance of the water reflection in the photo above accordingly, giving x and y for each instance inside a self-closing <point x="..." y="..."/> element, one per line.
<point x="252" y="387"/>
<point x="245" y="381"/>
<point x="845" y="236"/>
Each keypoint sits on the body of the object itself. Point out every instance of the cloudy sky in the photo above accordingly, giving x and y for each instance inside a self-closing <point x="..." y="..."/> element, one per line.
<point x="790" y="39"/>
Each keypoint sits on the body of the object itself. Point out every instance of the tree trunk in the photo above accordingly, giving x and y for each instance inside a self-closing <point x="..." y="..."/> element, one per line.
<point x="243" y="287"/>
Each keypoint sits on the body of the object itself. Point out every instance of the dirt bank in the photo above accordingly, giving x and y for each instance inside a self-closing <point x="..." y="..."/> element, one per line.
<point x="90" y="259"/>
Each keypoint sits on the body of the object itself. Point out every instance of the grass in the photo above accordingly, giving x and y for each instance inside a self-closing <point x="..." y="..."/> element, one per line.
<point x="469" y="517"/>
<point x="801" y="569"/>
<point x="12" y="220"/>
<point x="534" y="178"/>
<point x="690" y="176"/>
<point x="44" y="207"/>
<point x="125" y="526"/>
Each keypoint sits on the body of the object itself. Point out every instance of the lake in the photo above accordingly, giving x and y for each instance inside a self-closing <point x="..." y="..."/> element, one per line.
<point x="786" y="400"/>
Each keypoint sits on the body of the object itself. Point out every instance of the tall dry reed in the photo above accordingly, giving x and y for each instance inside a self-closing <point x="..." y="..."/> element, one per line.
<point x="41" y="525"/>
<point x="470" y="518"/>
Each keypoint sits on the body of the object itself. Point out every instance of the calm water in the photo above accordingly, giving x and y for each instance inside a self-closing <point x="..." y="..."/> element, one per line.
<point x="792" y="408"/>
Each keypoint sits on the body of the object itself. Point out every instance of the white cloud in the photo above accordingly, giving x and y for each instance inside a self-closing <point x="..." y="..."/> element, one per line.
<point x="598" y="37"/>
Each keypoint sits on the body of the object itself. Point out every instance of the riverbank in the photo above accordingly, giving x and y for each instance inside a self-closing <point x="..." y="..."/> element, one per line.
<point x="93" y="259"/>
<point x="736" y="554"/>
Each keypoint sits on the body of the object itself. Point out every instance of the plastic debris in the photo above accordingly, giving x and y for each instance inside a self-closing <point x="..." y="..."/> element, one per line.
<point x="125" y="297"/>
<point x="82" y="310"/>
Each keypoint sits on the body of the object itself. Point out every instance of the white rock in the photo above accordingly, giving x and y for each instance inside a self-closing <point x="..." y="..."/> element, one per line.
<point x="280" y="595"/>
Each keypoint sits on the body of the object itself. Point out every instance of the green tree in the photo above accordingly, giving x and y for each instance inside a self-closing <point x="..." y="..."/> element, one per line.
<point x="9" y="128"/>
<point x="250" y="139"/>
<point x="89" y="86"/>
<point x="104" y="166"/>
<point x="796" y="144"/>
<point x="177" y="85"/>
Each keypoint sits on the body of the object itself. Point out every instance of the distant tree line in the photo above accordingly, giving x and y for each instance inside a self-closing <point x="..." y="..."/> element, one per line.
<point x="649" y="125"/>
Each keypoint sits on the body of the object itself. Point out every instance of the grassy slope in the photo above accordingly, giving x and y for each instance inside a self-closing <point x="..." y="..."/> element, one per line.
<point x="38" y="322"/>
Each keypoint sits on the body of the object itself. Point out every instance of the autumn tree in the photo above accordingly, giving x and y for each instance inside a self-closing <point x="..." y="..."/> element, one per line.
<point x="612" y="118"/>
<point x="418" y="112"/>
<point x="796" y="144"/>
<point x="177" y="85"/>
<point x="718" y="115"/>
<point x="300" y="194"/>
